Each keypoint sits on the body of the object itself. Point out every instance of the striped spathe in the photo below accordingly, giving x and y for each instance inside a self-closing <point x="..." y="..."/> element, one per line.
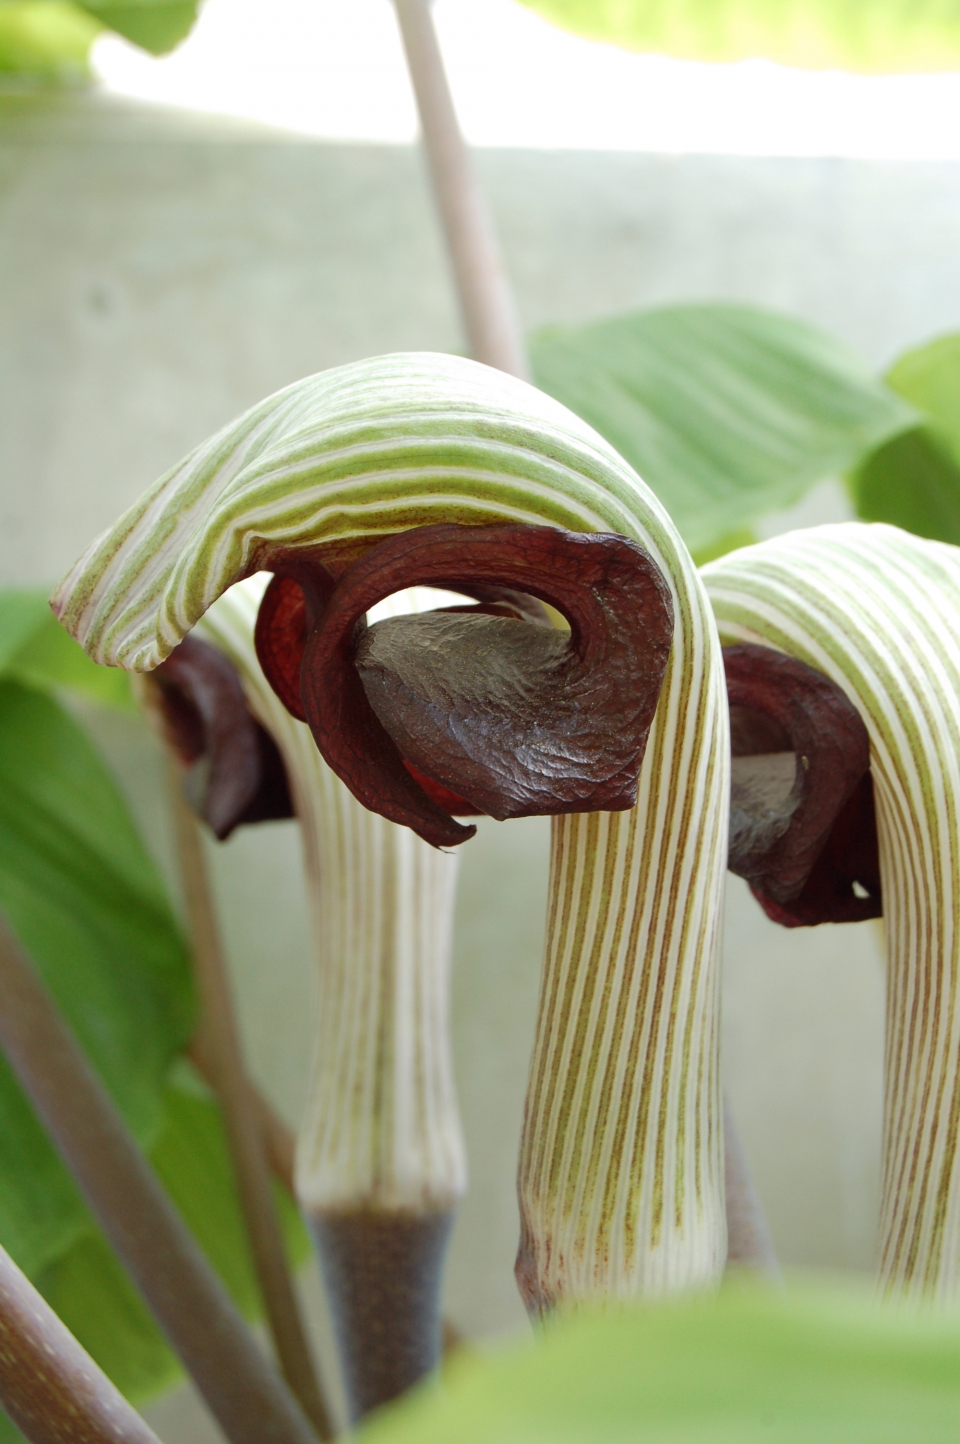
<point x="621" y="1161"/>
<point x="878" y="611"/>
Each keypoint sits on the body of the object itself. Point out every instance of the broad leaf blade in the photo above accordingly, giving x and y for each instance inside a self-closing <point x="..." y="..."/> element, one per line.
<point x="727" y="412"/>
<point x="89" y="1290"/>
<point x="192" y="1159"/>
<point x="46" y="41"/>
<point x="929" y="378"/>
<point x="41" y="1210"/>
<point x="154" y="25"/>
<point x="51" y="658"/>
<point x="913" y="480"/>
<point x="753" y="1367"/>
<point x="88" y="905"/>
<point x="35" y="649"/>
<point x="22" y="614"/>
<point x="849" y="34"/>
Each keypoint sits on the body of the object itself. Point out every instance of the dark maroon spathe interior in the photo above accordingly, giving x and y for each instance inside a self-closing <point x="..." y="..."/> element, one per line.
<point x="508" y="716"/>
<point x="810" y="856"/>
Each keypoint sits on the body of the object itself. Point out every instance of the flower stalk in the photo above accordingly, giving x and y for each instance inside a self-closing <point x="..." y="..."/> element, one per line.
<point x="486" y="301"/>
<point x="877" y="612"/>
<point x="241" y="1119"/>
<point x="49" y="1385"/>
<point x="245" y="1394"/>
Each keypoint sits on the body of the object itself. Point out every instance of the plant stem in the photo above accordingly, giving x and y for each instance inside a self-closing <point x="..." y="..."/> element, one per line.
<point x="49" y="1385"/>
<point x="749" y="1244"/>
<point x="384" y="1273"/>
<point x="241" y="1386"/>
<point x="243" y="1124"/>
<point x="279" y="1141"/>
<point x="489" y="314"/>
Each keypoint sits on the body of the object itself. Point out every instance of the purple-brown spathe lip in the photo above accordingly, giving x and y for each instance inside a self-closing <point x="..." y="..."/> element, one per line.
<point x="803" y="830"/>
<point x="234" y="771"/>
<point x="511" y="717"/>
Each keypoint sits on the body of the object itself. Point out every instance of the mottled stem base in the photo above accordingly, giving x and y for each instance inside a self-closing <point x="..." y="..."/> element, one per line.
<point x="383" y="1273"/>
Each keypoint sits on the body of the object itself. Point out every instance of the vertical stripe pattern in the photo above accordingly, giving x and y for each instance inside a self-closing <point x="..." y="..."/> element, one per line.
<point x="620" y="1171"/>
<point x="878" y="611"/>
<point x="380" y="1129"/>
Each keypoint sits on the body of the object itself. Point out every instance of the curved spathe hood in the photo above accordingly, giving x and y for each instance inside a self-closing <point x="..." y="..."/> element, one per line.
<point x="878" y="611"/>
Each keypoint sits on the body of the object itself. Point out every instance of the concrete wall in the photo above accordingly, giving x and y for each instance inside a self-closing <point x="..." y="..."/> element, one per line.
<point x="159" y="272"/>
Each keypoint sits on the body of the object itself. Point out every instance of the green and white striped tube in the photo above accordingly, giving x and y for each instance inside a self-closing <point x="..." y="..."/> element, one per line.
<point x="878" y="611"/>
<point x="621" y="1166"/>
<point x="381" y="1129"/>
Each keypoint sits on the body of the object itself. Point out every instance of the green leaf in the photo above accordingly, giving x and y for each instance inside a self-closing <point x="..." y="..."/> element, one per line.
<point x="22" y="613"/>
<point x="873" y="35"/>
<point x="35" y="649"/>
<point x="41" y="1209"/>
<point x="193" y="1161"/>
<point x="154" y="25"/>
<point x="929" y="378"/>
<point x="46" y="41"/>
<point x="51" y="658"/>
<point x="87" y="902"/>
<point x="727" y="412"/>
<point x="90" y="1291"/>
<point x="913" y="480"/>
<point x="751" y="1367"/>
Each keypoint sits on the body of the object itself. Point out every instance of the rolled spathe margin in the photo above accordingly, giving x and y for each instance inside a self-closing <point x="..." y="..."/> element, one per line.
<point x="362" y="451"/>
<point x="621" y="1163"/>
<point x="878" y="611"/>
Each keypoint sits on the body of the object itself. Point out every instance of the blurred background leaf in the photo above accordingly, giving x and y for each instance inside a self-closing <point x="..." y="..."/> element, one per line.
<point x="35" y="649"/>
<point x="47" y="42"/>
<point x="913" y="480"/>
<point x="846" y="34"/>
<point x="154" y="25"/>
<point x="87" y="902"/>
<point x="727" y="412"/>
<point x="753" y="1366"/>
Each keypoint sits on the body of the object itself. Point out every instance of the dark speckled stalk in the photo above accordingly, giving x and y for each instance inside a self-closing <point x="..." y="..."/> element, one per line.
<point x="383" y="1273"/>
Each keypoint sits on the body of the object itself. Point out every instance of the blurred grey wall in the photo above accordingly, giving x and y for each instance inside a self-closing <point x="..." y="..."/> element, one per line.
<point x="160" y="272"/>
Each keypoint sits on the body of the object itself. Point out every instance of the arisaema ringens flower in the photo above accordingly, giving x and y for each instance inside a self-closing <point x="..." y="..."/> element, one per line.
<point x="844" y="650"/>
<point x="433" y="471"/>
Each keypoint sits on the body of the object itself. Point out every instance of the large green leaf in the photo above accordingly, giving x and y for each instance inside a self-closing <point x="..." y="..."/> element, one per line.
<point x="892" y="35"/>
<point x="100" y="1306"/>
<point x="193" y="1161"/>
<point x="91" y="1292"/>
<point x="929" y="378"/>
<point x="913" y="481"/>
<point x="154" y="25"/>
<point x="752" y="1367"/>
<point x="35" y="649"/>
<point x="87" y="902"/>
<point x="728" y="412"/>
<point x="22" y="613"/>
<point x="46" y="41"/>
